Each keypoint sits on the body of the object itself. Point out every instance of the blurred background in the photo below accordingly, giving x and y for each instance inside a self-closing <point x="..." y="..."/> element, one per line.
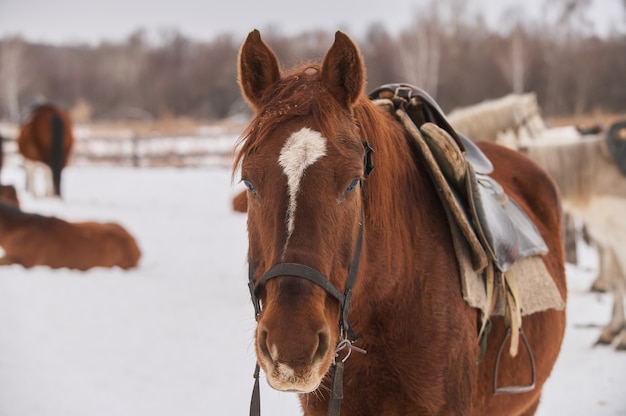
<point x="147" y="60"/>
<point x="149" y="83"/>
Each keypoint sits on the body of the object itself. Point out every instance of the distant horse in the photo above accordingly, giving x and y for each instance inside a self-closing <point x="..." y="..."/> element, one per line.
<point x="495" y="120"/>
<point x="37" y="240"/>
<point x="330" y="244"/>
<point x="240" y="202"/>
<point x="47" y="138"/>
<point x="593" y="187"/>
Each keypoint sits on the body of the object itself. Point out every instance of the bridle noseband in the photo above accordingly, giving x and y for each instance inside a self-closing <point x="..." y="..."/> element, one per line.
<point x="347" y="335"/>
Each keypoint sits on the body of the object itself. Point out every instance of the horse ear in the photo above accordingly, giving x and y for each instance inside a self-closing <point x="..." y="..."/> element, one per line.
<point x="343" y="70"/>
<point x="258" y="68"/>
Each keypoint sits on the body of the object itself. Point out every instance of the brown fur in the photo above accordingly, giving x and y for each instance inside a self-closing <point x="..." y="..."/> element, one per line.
<point x="8" y="195"/>
<point x="407" y="308"/>
<point x="38" y="240"/>
<point x="240" y="202"/>
<point x="35" y="141"/>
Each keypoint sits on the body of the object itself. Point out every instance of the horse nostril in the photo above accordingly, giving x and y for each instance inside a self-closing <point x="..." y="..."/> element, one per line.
<point x="262" y="343"/>
<point x="323" y="344"/>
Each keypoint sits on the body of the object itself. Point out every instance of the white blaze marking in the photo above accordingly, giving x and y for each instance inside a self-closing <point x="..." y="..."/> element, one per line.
<point x="301" y="150"/>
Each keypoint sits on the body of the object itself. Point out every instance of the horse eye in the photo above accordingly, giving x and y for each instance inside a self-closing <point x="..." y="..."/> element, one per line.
<point x="353" y="185"/>
<point x="249" y="185"/>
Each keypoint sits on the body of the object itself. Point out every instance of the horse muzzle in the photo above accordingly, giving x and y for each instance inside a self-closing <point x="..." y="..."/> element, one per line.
<point x="294" y="361"/>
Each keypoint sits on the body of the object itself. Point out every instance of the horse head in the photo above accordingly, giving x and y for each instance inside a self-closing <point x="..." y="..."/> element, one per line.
<point x="303" y="163"/>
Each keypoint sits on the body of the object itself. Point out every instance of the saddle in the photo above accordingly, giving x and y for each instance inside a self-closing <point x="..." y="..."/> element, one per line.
<point x="485" y="223"/>
<point x="490" y="220"/>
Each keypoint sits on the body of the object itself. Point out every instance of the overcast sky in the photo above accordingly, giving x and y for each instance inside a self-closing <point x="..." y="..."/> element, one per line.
<point x="62" y="21"/>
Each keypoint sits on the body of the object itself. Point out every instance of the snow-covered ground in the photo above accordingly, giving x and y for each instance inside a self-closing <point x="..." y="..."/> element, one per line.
<point x="173" y="337"/>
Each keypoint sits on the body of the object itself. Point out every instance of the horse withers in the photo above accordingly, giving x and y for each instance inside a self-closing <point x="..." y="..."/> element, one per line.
<point x="353" y="274"/>
<point x="46" y="140"/>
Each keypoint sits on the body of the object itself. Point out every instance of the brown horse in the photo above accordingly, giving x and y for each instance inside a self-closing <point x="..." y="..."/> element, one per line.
<point x="46" y="137"/>
<point x="37" y="240"/>
<point x="311" y="203"/>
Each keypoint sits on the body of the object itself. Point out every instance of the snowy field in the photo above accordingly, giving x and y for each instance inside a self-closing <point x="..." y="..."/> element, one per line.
<point x="173" y="337"/>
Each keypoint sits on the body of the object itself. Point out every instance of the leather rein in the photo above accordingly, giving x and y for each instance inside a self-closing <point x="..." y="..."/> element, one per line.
<point x="347" y="336"/>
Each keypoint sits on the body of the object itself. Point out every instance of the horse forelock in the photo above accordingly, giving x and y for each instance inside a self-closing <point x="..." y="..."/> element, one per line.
<point x="300" y="93"/>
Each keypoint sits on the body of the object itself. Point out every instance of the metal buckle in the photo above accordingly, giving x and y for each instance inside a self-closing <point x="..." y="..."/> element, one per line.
<point x="345" y="343"/>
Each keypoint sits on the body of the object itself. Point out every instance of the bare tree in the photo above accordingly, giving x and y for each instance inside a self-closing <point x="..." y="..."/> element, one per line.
<point x="566" y="34"/>
<point x="420" y="50"/>
<point x="10" y="75"/>
<point x="514" y="63"/>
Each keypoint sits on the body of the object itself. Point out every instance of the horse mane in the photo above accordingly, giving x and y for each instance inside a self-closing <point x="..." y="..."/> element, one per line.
<point x="394" y="162"/>
<point x="490" y="118"/>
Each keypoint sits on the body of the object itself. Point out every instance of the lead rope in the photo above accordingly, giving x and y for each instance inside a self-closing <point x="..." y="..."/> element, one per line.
<point x="255" y="401"/>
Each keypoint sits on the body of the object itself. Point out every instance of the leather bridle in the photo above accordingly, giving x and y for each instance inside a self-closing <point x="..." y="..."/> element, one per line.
<point x="347" y="335"/>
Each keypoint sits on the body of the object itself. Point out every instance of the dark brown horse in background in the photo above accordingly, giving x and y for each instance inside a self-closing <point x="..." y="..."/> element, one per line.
<point x="46" y="137"/>
<point x="302" y="159"/>
<point x="37" y="240"/>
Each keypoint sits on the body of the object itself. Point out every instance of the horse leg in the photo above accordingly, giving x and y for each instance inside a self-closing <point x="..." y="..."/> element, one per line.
<point x="602" y="282"/>
<point x="619" y="318"/>
<point x="29" y="168"/>
<point x="571" y="233"/>
<point x="621" y="345"/>
<point x="49" y="189"/>
<point x="56" y="154"/>
<point x="615" y="326"/>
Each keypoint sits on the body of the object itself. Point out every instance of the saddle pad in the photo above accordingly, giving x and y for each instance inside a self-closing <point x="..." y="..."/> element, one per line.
<point x="537" y="290"/>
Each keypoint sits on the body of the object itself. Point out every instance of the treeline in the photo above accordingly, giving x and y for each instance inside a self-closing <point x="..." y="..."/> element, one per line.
<point x="458" y="60"/>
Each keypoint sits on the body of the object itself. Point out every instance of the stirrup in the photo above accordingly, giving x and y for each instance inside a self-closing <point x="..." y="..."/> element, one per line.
<point x="514" y="389"/>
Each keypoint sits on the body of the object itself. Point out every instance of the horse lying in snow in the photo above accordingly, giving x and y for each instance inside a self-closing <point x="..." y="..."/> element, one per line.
<point x="37" y="240"/>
